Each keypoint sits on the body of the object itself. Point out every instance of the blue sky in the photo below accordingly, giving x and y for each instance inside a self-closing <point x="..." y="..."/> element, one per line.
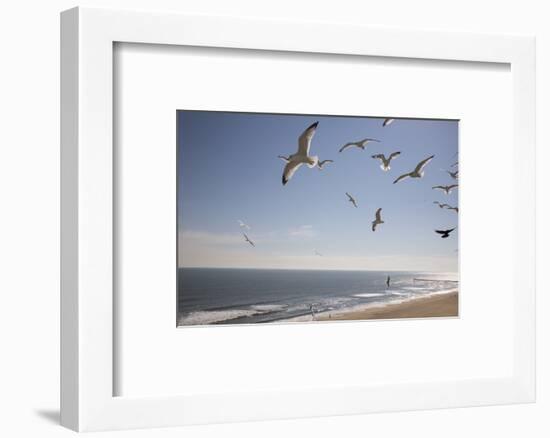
<point x="228" y="170"/>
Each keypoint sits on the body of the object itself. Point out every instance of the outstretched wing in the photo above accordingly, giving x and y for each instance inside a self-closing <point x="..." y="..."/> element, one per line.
<point x="377" y="215"/>
<point x="402" y="177"/>
<point x="379" y="156"/>
<point x="452" y="186"/>
<point x="347" y="145"/>
<point x="422" y="164"/>
<point x="387" y="122"/>
<point x="441" y="232"/>
<point x="322" y="163"/>
<point x="290" y="169"/>
<point x="366" y="140"/>
<point x="394" y="154"/>
<point x="440" y="188"/>
<point x="304" y="142"/>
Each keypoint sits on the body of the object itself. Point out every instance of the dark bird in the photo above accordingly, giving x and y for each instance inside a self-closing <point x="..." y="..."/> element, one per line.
<point x="320" y="164"/>
<point x="302" y="156"/>
<point x="418" y="171"/>
<point x="388" y="281"/>
<point x="358" y="144"/>
<point x="377" y="220"/>
<point x="446" y="189"/>
<point x="454" y="175"/>
<point x="444" y="233"/>
<point x="351" y="199"/>
<point x="385" y="162"/>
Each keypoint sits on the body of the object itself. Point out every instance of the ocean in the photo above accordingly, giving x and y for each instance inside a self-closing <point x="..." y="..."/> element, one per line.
<point x="245" y="296"/>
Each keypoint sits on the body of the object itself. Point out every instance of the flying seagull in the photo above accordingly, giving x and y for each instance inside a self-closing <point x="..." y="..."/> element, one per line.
<point x="317" y="253"/>
<point x="454" y="175"/>
<point x="387" y="122"/>
<point x="351" y="199"/>
<point x="418" y="171"/>
<point x="358" y="144"/>
<point x="243" y="225"/>
<point x="388" y="281"/>
<point x="378" y="220"/>
<point x="320" y="164"/>
<point x="302" y="155"/>
<point x="385" y="162"/>
<point x="444" y="233"/>
<point x="248" y="240"/>
<point x="446" y="189"/>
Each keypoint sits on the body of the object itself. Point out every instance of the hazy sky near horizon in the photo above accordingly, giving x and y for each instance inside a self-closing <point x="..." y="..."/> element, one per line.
<point x="228" y="170"/>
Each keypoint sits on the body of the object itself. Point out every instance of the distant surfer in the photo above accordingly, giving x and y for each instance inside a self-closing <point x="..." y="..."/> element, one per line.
<point x="388" y="281"/>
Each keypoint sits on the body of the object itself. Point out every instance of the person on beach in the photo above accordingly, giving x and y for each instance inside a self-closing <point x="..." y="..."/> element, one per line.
<point x="388" y="281"/>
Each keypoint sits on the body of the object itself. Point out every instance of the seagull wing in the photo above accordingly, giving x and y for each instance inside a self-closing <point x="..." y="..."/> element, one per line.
<point x="290" y="169"/>
<point x="377" y="215"/>
<point x="440" y="188"/>
<point x="440" y="231"/>
<point x="393" y="155"/>
<point x="347" y="145"/>
<point x="422" y="164"/>
<point x="402" y="177"/>
<point x="366" y="140"/>
<point x="387" y="122"/>
<point x="379" y="156"/>
<point x="304" y="142"/>
<point x="452" y="186"/>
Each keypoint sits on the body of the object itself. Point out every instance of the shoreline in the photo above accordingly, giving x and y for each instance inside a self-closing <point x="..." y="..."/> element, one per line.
<point x="435" y="305"/>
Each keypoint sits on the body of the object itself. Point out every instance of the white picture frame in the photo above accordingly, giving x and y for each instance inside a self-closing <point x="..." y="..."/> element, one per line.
<point x="87" y="331"/>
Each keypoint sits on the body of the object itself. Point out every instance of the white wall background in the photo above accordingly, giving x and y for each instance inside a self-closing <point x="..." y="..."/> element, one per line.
<point x="29" y="219"/>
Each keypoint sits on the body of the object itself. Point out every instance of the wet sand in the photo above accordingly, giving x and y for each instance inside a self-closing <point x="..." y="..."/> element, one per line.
<point x="433" y="306"/>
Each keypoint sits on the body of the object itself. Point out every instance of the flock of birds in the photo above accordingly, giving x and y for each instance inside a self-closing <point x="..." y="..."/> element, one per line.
<point x="302" y="156"/>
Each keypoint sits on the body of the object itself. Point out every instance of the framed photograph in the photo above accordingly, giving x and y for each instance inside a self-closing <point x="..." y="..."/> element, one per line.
<point x="337" y="222"/>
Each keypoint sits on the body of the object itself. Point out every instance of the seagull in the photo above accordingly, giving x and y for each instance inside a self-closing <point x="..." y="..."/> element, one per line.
<point x="317" y="253"/>
<point x="453" y="175"/>
<point x="243" y="225"/>
<point x="448" y="207"/>
<point x="444" y="233"/>
<point x="387" y="122"/>
<point x="417" y="172"/>
<point x="440" y="205"/>
<point x="320" y="164"/>
<point x="351" y="199"/>
<point x="248" y="240"/>
<point x="302" y="155"/>
<point x="358" y="144"/>
<point x="388" y="281"/>
<point x="385" y="162"/>
<point x="446" y="189"/>
<point x="378" y="220"/>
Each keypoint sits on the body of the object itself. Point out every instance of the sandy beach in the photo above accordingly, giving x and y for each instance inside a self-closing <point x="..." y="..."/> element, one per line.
<point x="439" y="305"/>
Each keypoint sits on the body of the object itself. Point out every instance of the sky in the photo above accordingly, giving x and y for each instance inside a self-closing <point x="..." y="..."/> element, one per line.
<point x="228" y="171"/>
